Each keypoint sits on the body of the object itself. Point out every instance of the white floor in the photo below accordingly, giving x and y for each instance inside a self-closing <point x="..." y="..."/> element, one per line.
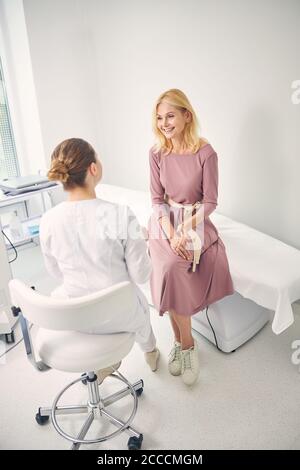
<point x="249" y="399"/>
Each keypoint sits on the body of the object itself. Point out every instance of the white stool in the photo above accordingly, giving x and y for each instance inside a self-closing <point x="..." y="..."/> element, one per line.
<point x="61" y="346"/>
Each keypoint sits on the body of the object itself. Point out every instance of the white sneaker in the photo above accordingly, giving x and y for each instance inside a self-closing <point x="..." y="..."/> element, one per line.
<point x="152" y="359"/>
<point x="174" y="363"/>
<point x="190" y="365"/>
<point x="103" y="373"/>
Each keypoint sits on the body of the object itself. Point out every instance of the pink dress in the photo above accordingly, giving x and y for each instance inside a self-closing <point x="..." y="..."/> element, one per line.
<point x="186" y="179"/>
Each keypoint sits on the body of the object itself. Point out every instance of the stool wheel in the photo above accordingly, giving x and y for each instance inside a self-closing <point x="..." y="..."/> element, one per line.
<point x="41" y="419"/>
<point x="10" y="337"/>
<point x="83" y="380"/>
<point x="135" y="443"/>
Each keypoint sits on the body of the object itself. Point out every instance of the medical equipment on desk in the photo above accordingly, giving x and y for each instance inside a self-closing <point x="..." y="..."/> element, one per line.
<point x="31" y="227"/>
<point x="25" y="184"/>
<point x="34" y="229"/>
<point x="15" y="227"/>
<point x="15" y="234"/>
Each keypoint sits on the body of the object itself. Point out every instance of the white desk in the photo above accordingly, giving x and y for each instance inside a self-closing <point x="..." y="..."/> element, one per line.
<point x="23" y="197"/>
<point x="6" y="318"/>
<point x="6" y="202"/>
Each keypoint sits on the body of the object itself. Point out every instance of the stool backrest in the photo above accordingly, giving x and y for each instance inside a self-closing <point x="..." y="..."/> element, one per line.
<point x="76" y="314"/>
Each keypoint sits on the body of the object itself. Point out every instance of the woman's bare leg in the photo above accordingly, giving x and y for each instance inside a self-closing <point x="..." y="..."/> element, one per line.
<point x="175" y="327"/>
<point x="184" y="325"/>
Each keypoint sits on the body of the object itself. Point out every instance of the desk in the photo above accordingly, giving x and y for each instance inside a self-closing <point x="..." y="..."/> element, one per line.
<point x="7" y="202"/>
<point x="6" y="318"/>
<point x="23" y="197"/>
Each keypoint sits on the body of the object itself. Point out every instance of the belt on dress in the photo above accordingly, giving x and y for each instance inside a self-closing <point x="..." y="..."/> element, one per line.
<point x="187" y="212"/>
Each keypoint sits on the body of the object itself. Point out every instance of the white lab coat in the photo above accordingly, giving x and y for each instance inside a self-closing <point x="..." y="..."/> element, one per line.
<point x="92" y="244"/>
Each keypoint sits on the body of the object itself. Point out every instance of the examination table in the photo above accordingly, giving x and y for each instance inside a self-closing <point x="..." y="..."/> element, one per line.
<point x="264" y="270"/>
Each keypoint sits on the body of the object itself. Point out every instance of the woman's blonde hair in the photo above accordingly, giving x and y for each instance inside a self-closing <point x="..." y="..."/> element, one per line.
<point x="70" y="161"/>
<point x="179" y="100"/>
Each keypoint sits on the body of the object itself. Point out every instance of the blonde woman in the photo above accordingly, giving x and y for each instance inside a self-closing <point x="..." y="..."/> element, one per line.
<point x="87" y="244"/>
<point x="189" y="263"/>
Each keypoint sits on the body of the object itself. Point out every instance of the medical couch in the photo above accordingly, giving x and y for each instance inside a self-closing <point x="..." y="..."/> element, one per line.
<point x="264" y="270"/>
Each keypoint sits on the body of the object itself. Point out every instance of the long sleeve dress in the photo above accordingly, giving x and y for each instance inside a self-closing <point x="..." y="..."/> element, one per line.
<point x="186" y="179"/>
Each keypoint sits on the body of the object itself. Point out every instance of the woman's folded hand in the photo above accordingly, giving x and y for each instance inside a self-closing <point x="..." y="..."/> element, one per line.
<point x="178" y="245"/>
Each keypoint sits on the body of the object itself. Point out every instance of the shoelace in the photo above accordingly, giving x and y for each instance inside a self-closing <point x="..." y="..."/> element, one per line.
<point x="187" y="363"/>
<point x="175" y="353"/>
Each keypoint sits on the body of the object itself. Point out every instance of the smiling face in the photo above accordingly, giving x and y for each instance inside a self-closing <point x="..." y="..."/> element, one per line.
<point x="171" y="121"/>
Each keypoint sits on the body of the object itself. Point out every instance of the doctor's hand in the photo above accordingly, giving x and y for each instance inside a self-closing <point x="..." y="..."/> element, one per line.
<point x="178" y="244"/>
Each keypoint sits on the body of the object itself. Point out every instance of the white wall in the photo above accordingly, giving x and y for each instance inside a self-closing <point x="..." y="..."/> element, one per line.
<point x="98" y="67"/>
<point x="66" y="84"/>
<point x="236" y="60"/>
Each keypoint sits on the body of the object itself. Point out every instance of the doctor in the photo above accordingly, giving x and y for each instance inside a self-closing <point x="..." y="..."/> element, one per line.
<point x="89" y="244"/>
